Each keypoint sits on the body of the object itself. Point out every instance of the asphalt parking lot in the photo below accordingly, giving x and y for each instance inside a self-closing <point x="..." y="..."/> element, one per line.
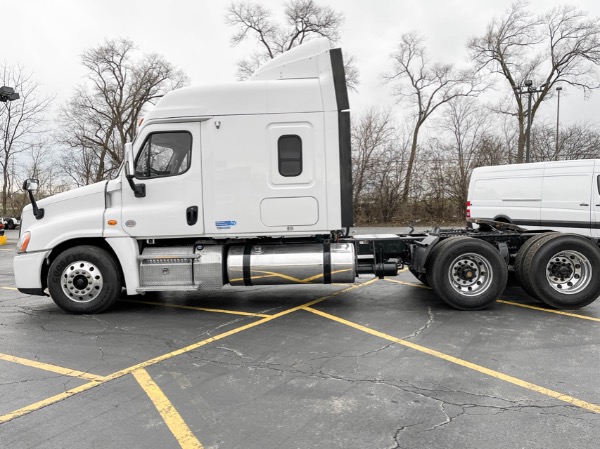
<point x="380" y="364"/>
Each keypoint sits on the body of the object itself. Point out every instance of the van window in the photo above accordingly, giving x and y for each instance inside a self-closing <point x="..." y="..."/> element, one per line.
<point x="164" y="154"/>
<point x="289" y="155"/>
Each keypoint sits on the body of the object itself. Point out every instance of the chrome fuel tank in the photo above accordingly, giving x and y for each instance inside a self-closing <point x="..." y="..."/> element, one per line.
<point x="313" y="263"/>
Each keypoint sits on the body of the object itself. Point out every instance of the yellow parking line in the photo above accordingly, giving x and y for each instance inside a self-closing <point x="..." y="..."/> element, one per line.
<point x="511" y="303"/>
<point x="202" y="309"/>
<point x="9" y="288"/>
<point x="481" y="369"/>
<point x="48" y="401"/>
<point x="155" y="360"/>
<point x="49" y="367"/>
<point x="542" y="309"/>
<point x="170" y="415"/>
<point x="191" y="347"/>
<point x="408" y="283"/>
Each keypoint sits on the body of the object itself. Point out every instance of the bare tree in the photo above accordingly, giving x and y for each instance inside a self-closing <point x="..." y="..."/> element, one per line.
<point x="21" y="121"/>
<point x="494" y="150"/>
<point x="103" y="113"/>
<point x="371" y="134"/>
<point x="578" y="141"/>
<point x="467" y="125"/>
<point x="40" y="162"/>
<point x="435" y="198"/>
<point x="562" y="45"/>
<point x="378" y="161"/>
<point x="425" y="85"/>
<point x="303" y="20"/>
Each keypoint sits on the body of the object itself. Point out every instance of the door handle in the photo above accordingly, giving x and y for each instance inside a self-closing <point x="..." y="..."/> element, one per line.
<point x="584" y="204"/>
<point x="191" y="214"/>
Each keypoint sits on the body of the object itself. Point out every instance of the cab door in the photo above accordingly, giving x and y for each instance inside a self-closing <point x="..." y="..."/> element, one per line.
<point x="168" y="163"/>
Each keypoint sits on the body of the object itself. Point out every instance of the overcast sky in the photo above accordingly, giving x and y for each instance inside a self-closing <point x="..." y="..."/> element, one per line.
<point x="48" y="37"/>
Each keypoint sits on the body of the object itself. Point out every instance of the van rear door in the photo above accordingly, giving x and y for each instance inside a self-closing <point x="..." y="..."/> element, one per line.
<point x="567" y="195"/>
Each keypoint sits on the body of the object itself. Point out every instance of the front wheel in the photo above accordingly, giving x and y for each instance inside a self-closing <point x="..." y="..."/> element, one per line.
<point x="10" y="224"/>
<point x="84" y="279"/>
<point x="468" y="274"/>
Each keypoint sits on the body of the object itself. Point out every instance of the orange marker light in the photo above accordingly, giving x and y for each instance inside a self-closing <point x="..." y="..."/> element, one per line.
<point x="112" y="222"/>
<point x="23" y="242"/>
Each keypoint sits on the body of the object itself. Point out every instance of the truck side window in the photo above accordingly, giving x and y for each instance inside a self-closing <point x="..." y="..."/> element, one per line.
<point x="164" y="154"/>
<point x="289" y="155"/>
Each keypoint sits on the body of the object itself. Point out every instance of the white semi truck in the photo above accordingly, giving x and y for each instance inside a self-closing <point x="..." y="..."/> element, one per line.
<point x="249" y="183"/>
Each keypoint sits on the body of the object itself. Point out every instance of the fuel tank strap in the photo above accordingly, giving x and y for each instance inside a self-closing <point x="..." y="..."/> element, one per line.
<point x="327" y="263"/>
<point x="246" y="266"/>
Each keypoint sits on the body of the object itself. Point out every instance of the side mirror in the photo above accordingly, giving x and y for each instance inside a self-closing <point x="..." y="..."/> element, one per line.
<point x="139" y="190"/>
<point x="31" y="185"/>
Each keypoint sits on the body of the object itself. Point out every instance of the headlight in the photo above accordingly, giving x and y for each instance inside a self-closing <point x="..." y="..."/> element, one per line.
<point x="23" y="242"/>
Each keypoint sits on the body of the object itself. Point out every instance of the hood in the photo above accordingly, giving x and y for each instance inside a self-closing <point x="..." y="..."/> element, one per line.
<point x="78" y="192"/>
<point x="76" y="210"/>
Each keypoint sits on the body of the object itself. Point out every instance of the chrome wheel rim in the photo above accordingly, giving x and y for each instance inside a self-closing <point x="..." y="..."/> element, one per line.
<point x="470" y="274"/>
<point x="81" y="281"/>
<point x="569" y="272"/>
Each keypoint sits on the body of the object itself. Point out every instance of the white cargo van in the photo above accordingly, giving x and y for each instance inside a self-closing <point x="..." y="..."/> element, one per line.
<point x="559" y="195"/>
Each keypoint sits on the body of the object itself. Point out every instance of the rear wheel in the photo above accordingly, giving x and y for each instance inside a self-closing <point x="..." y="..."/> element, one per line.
<point x="467" y="273"/>
<point x="10" y="224"/>
<point x="559" y="270"/>
<point x="84" y="279"/>
<point x="518" y="266"/>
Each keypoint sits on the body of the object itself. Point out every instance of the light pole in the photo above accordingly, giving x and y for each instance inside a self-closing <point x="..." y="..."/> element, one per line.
<point x="530" y="90"/>
<point x="558" y="89"/>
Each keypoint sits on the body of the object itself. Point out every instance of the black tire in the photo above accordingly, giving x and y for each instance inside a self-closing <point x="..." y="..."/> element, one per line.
<point x="562" y="271"/>
<point x="518" y="266"/>
<point x="468" y="274"/>
<point x="434" y="254"/>
<point x="10" y="224"/>
<point x="84" y="279"/>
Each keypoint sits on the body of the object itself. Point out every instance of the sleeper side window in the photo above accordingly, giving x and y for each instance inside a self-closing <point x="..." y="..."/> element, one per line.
<point x="164" y="154"/>
<point x="289" y="155"/>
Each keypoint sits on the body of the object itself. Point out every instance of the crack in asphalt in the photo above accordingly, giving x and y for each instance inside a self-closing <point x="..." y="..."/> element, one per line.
<point x="449" y="409"/>
<point x="429" y="322"/>
<point x="404" y="386"/>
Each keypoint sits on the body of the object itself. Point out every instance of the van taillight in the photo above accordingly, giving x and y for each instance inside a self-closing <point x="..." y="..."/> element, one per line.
<point x="468" y="209"/>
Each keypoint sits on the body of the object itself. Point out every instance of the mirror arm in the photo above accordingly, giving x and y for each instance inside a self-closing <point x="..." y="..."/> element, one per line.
<point x="139" y="190"/>
<point x="37" y="213"/>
